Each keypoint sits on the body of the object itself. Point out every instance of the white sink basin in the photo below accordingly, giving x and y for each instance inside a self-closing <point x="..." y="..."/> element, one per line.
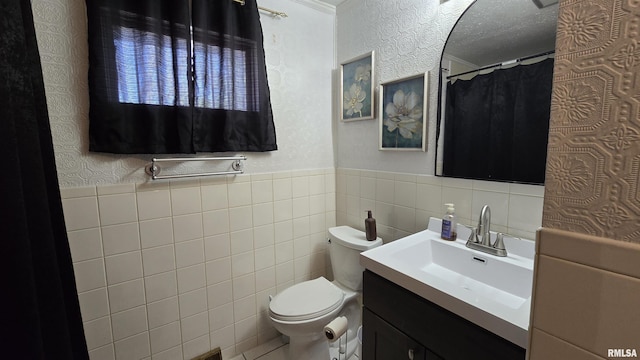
<point x="493" y="292"/>
<point x="496" y="279"/>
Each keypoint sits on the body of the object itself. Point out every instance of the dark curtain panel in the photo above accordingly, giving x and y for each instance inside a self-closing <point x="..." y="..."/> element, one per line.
<point x="139" y="76"/>
<point x="163" y="81"/>
<point x="497" y="124"/>
<point x="41" y="316"/>
<point x="232" y="104"/>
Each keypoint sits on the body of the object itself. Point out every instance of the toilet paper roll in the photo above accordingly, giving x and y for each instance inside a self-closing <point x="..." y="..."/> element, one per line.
<point x="336" y="328"/>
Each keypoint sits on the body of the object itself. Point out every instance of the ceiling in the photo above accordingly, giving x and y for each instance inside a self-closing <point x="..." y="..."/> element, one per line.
<point x="494" y="31"/>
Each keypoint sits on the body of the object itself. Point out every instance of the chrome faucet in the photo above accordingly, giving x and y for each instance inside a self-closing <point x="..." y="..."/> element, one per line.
<point x="484" y="225"/>
<point x="480" y="238"/>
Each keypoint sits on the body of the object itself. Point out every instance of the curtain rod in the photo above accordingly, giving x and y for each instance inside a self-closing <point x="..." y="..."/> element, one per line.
<point x="500" y="64"/>
<point x="275" y="13"/>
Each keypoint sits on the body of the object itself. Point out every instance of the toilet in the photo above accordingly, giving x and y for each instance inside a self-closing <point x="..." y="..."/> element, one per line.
<point x="303" y="310"/>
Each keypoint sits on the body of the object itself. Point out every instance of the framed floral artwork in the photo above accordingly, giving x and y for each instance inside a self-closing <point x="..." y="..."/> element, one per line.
<point x="356" y="88"/>
<point x="403" y="114"/>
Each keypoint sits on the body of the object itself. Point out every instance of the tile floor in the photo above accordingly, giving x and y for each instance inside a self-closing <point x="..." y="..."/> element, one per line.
<point x="275" y="349"/>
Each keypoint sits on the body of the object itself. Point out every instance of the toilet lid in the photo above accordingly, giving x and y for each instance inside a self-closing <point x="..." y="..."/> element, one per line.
<point x="306" y="300"/>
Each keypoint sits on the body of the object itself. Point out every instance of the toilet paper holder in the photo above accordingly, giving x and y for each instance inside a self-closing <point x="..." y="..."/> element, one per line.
<point x="336" y="328"/>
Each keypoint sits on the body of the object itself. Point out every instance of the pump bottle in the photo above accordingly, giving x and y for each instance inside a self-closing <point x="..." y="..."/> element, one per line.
<point x="370" y="227"/>
<point x="449" y="224"/>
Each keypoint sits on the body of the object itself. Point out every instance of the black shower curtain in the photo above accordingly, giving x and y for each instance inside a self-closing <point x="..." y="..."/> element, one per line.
<point x="41" y="315"/>
<point x="497" y="124"/>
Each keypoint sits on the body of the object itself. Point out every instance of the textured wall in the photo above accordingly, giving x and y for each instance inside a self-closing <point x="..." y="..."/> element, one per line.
<point x="299" y="65"/>
<point x="591" y="204"/>
<point x="593" y="166"/>
<point x="408" y="37"/>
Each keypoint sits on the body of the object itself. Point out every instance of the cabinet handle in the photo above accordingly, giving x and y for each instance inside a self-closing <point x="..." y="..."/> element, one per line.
<point x="410" y="354"/>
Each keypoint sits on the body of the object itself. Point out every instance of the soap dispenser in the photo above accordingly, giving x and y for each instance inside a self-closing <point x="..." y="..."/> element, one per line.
<point x="370" y="227"/>
<point x="449" y="224"/>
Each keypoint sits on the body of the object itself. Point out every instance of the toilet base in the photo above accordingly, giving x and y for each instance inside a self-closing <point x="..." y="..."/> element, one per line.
<point x="308" y="347"/>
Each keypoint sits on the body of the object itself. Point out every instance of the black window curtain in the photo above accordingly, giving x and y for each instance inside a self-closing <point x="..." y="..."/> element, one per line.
<point x="497" y="124"/>
<point x="164" y="78"/>
<point x="41" y="315"/>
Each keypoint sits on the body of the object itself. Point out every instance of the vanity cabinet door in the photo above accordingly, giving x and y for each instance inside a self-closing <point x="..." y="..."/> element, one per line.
<point x="440" y="331"/>
<point x="382" y="341"/>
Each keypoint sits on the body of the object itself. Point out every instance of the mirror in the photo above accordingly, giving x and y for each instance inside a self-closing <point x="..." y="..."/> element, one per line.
<point x="495" y="91"/>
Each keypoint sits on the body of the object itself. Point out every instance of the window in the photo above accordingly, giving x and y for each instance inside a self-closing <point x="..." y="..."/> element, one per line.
<point x="226" y="69"/>
<point x="143" y="69"/>
<point x="162" y="80"/>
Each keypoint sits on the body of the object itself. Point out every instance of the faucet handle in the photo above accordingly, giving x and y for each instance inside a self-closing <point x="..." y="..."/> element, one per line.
<point x="473" y="237"/>
<point x="499" y="243"/>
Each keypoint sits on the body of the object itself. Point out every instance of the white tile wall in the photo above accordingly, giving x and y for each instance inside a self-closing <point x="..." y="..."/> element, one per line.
<point x="163" y="312"/>
<point x="175" y="269"/>
<point x="98" y="332"/>
<point x="161" y="286"/>
<point x="117" y="239"/>
<point x="126" y="295"/>
<point x="85" y="244"/>
<point x="403" y="203"/>
<point x="134" y="347"/>
<point x="169" y="270"/>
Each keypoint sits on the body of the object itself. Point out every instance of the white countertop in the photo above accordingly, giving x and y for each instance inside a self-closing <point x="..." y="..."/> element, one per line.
<point x="408" y="263"/>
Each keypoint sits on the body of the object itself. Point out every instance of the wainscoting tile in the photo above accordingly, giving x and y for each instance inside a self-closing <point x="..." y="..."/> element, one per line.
<point x="219" y="294"/>
<point x="156" y="232"/>
<point x="130" y="322"/>
<point x="263" y="236"/>
<point x="214" y="197"/>
<point x="189" y="253"/>
<point x="85" y="244"/>
<point x="187" y="227"/>
<point x="94" y="304"/>
<point x="216" y="247"/>
<point x="193" y="302"/>
<point x="239" y="194"/>
<point x="215" y="222"/>
<point x="90" y="274"/>
<point x="158" y="259"/>
<point x="186" y="201"/>
<point x="103" y="353"/>
<point x="262" y="191"/>
<point x="154" y="204"/>
<point x="163" y="312"/>
<point x="165" y="337"/>
<point x="117" y="209"/>
<point x="98" y="332"/>
<point x="161" y="286"/>
<point x="135" y="347"/>
<point x="81" y="213"/>
<point x="191" y="278"/>
<point x="117" y="239"/>
<point x="218" y="270"/>
<point x="126" y="295"/>
<point x="174" y="353"/>
<point x="195" y="347"/>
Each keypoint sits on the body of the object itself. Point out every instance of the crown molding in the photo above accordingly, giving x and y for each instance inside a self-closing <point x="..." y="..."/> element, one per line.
<point x="318" y="5"/>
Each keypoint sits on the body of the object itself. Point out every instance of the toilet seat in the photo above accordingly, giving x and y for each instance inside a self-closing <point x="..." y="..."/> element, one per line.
<point x="306" y="300"/>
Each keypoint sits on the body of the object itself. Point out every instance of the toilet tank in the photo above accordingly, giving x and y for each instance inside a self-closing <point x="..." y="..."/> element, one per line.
<point x="345" y="246"/>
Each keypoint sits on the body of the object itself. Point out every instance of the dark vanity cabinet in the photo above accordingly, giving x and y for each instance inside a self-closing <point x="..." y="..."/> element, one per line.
<point x="398" y="324"/>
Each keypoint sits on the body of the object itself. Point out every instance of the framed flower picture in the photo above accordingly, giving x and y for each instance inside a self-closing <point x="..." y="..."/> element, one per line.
<point x="403" y="114"/>
<point x="356" y="88"/>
